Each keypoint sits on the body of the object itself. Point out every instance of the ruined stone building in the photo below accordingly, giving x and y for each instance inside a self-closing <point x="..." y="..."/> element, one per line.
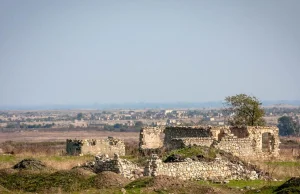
<point x="245" y="142"/>
<point x="109" y="146"/>
<point x="150" y="137"/>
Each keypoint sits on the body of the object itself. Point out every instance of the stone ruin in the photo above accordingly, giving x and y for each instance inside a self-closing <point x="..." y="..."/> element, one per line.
<point x="115" y="164"/>
<point x="244" y="142"/>
<point x="108" y="146"/>
<point x="218" y="170"/>
<point x="150" y="138"/>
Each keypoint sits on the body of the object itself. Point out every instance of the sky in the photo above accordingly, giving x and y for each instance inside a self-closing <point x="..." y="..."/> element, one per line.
<point x="93" y="51"/>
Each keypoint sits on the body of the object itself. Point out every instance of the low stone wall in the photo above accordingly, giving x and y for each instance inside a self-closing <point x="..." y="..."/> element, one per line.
<point x="120" y="166"/>
<point x="108" y="146"/>
<point x="215" y="170"/>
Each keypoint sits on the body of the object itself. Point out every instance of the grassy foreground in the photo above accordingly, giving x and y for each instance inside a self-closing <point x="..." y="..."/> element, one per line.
<point x="59" y="177"/>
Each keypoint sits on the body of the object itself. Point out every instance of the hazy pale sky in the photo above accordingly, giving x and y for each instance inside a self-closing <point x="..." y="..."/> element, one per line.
<point x="73" y="51"/>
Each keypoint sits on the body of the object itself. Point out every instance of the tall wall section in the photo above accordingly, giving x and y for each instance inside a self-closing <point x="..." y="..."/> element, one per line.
<point x="185" y="132"/>
<point x="150" y="138"/>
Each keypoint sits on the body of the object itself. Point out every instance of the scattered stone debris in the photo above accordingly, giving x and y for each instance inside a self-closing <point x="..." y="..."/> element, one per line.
<point x="89" y="166"/>
<point x="120" y="166"/>
<point x="104" y="163"/>
<point x="30" y="164"/>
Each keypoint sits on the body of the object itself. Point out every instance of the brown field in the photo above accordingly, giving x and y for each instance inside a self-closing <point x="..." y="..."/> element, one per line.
<point x="55" y="136"/>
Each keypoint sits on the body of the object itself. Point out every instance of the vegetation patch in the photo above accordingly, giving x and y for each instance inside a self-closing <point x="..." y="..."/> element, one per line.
<point x="290" y="186"/>
<point x="7" y="158"/>
<point x="30" y="164"/>
<point x="252" y="183"/>
<point x="139" y="160"/>
<point x="109" y="180"/>
<point x="197" y="153"/>
<point x="139" y="183"/>
<point x="38" y="182"/>
<point x="166" y="184"/>
<point x="284" y="163"/>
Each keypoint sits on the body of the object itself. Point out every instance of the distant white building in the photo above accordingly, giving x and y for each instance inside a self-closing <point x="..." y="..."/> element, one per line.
<point x="167" y="111"/>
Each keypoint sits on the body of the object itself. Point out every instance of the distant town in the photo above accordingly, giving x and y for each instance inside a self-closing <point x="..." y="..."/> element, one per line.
<point x="128" y="120"/>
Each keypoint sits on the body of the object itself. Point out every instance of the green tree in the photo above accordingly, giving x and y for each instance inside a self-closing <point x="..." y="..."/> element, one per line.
<point x="117" y="126"/>
<point x="138" y="125"/>
<point x="287" y="126"/>
<point x="79" y="116"/>
<point x="244" y="110"/>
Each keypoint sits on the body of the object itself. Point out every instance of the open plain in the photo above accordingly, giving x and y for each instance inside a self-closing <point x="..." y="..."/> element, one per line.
<point x="58" y="136"/>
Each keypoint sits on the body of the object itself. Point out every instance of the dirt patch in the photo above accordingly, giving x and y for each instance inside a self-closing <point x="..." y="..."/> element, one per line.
<point x="30" y="164"/>
<point x="174" y="184"/>
<point x="83" y="172"/>
<point x="109" y="180"/>
<point x="166" y="184"/>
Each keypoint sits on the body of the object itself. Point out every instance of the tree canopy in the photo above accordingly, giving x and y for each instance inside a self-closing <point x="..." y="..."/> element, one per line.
<point x="287" y="126"/>
<point x="79" y="116"/>
<point x="244" y="110"/>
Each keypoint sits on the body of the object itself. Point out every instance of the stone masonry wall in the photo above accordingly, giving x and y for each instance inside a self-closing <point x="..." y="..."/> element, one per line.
<point x="215" y="170"/>
<point x="105" y="146"/>
<point x="177" y="143"/>
<point x="185" y="132"/>
<point x="256" y="133"/>
<point x="116" y="164"/>
<point x="246" y="142"/>
<point x="241" y="147"/>
<point x="150" y="138"/>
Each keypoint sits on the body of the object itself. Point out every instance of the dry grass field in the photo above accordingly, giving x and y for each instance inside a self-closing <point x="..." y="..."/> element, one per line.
<point x="48" y="136"/>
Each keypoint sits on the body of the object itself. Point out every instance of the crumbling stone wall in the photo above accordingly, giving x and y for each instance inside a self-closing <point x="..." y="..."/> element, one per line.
<point x="256" y="135"/>
<point x="247" y="142"/>
<point x="150" y="138"/>
<point x="116" y="164"/>
<point x="91" y="146"/>
<point x="177" y="143"/>
<point x="218" y="169"/>
<point x="237" y="146"/>
<point x="185" y="132"/>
